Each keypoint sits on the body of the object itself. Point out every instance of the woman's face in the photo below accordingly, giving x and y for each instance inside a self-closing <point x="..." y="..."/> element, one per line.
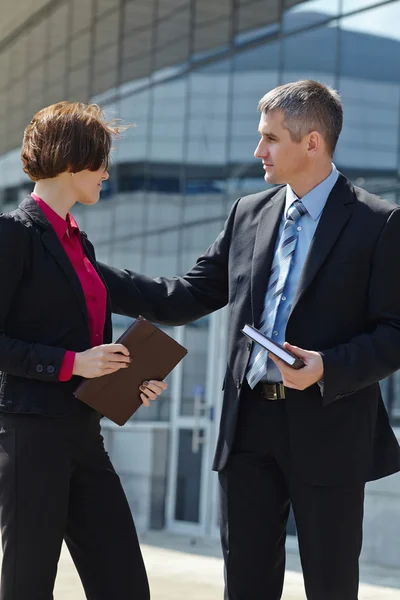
<point x="86" y="185"/>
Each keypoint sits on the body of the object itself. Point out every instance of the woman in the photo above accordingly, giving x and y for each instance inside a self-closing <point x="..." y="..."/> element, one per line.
<point x="56" y="479"/>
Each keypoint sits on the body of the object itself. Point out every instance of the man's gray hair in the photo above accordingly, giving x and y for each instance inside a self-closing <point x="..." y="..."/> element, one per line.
<point x="307" y="106"/>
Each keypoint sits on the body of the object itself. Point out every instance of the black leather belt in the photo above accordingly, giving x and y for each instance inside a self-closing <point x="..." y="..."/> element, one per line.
<point x="271" y="391"/>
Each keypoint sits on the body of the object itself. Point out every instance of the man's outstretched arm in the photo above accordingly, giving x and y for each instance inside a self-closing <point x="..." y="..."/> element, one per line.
<point x="176" y="300"/>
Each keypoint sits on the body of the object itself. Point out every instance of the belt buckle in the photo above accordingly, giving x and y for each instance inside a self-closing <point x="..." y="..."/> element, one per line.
<point x="278" y="392"/>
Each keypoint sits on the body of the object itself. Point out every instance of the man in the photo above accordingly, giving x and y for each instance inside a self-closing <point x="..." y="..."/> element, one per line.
<point x="313" y="261"/>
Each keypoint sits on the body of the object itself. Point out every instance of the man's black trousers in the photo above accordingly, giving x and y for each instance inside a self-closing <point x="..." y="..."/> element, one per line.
<point x="57" y="482"/>
<point x="257" y="488"/>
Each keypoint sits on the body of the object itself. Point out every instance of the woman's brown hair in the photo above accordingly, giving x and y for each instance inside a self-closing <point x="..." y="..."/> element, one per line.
<point x="67" y="136"/>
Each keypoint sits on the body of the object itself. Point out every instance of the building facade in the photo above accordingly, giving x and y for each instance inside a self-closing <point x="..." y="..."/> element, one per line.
<point x="188" y="75"/>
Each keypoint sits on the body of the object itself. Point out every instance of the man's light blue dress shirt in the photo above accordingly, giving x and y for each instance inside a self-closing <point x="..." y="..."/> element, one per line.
<point x="314" y="202"/>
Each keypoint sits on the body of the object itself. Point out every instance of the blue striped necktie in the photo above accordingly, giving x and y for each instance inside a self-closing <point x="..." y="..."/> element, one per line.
<point x="276" y="284"/>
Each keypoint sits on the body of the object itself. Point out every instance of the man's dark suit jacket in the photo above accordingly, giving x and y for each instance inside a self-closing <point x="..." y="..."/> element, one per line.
<point x="42" y="314"/>
<point x="347" y="306"/>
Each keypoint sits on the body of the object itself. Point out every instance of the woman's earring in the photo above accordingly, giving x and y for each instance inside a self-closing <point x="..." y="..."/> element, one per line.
<point x="72" y="174"/>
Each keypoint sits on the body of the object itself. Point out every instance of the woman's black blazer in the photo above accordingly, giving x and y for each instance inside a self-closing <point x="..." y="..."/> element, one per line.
<point x="42" y="314"/>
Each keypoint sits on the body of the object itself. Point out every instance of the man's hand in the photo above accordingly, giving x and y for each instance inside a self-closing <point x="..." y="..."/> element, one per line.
<point x="300" y="379"/>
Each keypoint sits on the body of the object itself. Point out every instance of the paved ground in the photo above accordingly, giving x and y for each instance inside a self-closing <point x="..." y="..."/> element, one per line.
<point x="180" y="568"/>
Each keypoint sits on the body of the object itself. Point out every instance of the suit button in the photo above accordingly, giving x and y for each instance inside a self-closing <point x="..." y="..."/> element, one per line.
<point x="249" y="346"/>
<point x="238" y="384"/>
<point x="50" y="369"/>
<point x="39" y="368"/>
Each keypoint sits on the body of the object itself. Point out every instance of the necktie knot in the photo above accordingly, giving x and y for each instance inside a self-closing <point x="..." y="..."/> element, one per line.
<point x="295" y="211"/>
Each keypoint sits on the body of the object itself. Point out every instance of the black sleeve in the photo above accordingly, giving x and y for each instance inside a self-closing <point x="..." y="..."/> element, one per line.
<point x="34" y="361"/>
<point x="371" y="356"/>
<point x="178" y="300"/>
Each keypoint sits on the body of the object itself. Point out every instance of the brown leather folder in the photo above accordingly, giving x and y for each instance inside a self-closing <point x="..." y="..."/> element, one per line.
<point x="154" y="354"/>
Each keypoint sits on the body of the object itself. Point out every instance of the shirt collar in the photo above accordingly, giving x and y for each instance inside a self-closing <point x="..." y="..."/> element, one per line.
<point x="315" y="200"/>
<point x="60" y="225"/>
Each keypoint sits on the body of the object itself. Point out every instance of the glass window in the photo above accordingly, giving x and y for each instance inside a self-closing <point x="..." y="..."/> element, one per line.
<point x="207" y="148"/>
<point x="207" y="11"/>
<point x="187" y="503"/>
<point x="212" y="25"/>
<point x="350" y="5"/>
<point x="167" y="7"/>
<point x="176" y="53"/>
<point x="107" y="30"/>
<point x="79" y="76"/>
<point x="130" y="210"/>
<point x="14" y="139"/>
<point x="104" y="81"/>
<point x="137" y="70"/>
<point x="132" y="145"/>
<point x="36" y="80"/>
<point x="136" y="43"/>
<point x="168" y="124"/>
<point x="16" y="93"/>
<point x="307" y="14"/>
<point x="16" y="121"/>
<point x="105" y="69"/>
<point x="103" y="6"/>
<point x="80" y="49"/>
<point x="34" y="103"/>
<point x="138" y="15"/>
<point x="3" y="148"/>
<point x="79" y="83"/>
<point x="310" y="63"/>
<point x="194" y="367"/>
<point x="55" y="92"/>
<point x="97" y="222"/>
<point x="166" y="151"/>
<point x="212" y="35"/>
<point x="209" y="114"/>
<point x="58" y="27"/>
<point x="4" y="68"/>
<point x="391" y="395"/>
<point x="57" y="65"/>
<point x="37" y="42"/>
<point x="257" y="17"/>
<point x="81" y="15"/>
<point x="370" y="90"/>
<point x="106" y="59"/>
<point x="195" y="241"/>
<point x="255" y="72"/>
<point x="173" y="27"/>
<point x="78" y="94"/>
<point x="161" y="249"/>
<point x="18" y="52"/>
<point x="128" y="253"/>
<point x="3" y="104"/>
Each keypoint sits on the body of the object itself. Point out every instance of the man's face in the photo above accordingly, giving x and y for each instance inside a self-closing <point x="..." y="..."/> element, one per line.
<point x="283" y="160"/>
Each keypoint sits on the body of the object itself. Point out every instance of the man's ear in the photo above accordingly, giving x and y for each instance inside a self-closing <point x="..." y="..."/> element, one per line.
<point x="314" y="142"/>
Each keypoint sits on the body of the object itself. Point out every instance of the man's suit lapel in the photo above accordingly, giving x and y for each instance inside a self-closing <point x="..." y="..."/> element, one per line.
<point x="264" y="248"/>
<point x="334" y="217"/>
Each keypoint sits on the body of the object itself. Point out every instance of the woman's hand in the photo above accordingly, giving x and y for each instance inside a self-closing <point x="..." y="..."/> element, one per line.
<point x="101" y="360"/>
<point x="150" y="390"/>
